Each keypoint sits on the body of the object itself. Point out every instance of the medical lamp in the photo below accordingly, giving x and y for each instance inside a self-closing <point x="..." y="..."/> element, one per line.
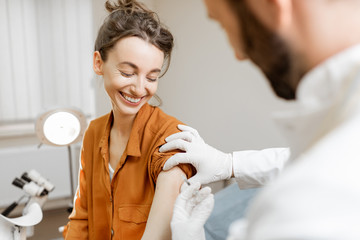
<point x="61" y="127"/>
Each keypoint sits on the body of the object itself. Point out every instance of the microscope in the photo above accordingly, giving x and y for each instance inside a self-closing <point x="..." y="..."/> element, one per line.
<point x="36" y="190"/>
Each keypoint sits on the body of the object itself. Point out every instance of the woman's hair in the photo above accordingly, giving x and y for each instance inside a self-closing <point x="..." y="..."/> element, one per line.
<point x="130" y="18"/>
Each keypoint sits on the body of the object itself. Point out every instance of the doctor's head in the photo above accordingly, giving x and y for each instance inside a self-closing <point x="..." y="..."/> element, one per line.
<point x="132" y="50"/>
<point x="286" y="38"/>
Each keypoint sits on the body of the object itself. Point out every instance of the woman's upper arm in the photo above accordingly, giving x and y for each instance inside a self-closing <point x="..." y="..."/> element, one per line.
<point x="167" y="189"/>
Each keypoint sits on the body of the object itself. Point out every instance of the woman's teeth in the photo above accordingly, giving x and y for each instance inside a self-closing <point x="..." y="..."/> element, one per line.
<point x="130" y="99"/>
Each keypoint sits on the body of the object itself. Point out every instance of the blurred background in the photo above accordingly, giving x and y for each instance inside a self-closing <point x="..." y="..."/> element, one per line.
<point x="46" y="62"/>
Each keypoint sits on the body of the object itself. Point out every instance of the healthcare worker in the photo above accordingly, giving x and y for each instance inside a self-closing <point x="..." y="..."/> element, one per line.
<point x="310" y="53"/>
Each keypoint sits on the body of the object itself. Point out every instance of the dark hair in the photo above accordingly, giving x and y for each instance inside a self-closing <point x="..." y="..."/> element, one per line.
<point x="269" y="51"/>
<point x="131" y="18"/>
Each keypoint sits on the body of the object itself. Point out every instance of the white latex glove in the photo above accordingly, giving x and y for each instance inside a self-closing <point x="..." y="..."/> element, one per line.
<point x="191" y="210"/>
<point x="211" y="164"/>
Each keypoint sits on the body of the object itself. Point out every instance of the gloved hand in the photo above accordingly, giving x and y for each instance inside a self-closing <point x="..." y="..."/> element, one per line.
<point x="191" y="210"/>
<point x="211" y="164"/>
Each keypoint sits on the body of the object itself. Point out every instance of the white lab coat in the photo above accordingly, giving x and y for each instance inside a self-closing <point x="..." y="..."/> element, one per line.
<point x="317" y="196"/>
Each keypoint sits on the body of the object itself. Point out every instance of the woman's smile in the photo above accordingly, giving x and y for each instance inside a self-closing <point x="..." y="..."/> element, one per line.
<point x="131" y="99"/>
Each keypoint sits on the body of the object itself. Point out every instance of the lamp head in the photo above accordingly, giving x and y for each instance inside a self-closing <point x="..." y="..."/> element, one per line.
<point x="60" y="127"/>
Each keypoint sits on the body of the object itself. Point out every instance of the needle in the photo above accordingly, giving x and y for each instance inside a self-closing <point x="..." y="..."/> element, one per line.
<point x="187" y="181"/>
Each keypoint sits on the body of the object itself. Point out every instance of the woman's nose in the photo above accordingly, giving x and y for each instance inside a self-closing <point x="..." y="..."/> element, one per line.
<point x="138" y="87"/>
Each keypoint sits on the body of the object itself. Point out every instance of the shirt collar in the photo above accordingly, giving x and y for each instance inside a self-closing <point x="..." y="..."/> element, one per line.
<point x="133" y="146"/>
<point x="323" y="83"/>
<point x="318" y="92"/>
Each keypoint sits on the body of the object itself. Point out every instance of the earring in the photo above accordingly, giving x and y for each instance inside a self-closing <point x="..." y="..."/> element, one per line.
<point x="158" y="100"/>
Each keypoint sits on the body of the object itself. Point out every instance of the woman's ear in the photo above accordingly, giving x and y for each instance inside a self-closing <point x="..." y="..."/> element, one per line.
<point x="98" y="63"/>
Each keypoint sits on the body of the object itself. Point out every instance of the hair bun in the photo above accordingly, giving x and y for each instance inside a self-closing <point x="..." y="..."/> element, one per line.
<point x="128" y="6"/>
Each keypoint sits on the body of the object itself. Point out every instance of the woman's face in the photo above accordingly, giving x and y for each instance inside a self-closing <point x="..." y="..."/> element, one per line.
<point x="130" y="73"/>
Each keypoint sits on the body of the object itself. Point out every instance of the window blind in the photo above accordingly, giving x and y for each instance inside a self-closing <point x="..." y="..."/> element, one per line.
<point x="46" y="57"/>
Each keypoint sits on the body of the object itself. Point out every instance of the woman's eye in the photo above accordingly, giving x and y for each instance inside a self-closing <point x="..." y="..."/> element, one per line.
<point x="127" y="75"/>
<point x="152" y="79"/>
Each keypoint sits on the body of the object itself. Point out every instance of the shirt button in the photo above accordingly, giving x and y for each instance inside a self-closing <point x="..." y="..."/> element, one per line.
<point x="110" y="199"/>
<point x="112" y="232"/>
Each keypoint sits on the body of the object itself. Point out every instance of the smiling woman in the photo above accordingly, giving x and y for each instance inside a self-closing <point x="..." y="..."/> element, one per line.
<point x="123" y="192"/>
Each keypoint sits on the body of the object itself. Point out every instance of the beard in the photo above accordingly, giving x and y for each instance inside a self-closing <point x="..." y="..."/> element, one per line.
<point x="269" y="52"/>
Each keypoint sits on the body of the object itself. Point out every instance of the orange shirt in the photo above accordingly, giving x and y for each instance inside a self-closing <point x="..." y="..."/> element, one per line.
<point x="119" y="210"/>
